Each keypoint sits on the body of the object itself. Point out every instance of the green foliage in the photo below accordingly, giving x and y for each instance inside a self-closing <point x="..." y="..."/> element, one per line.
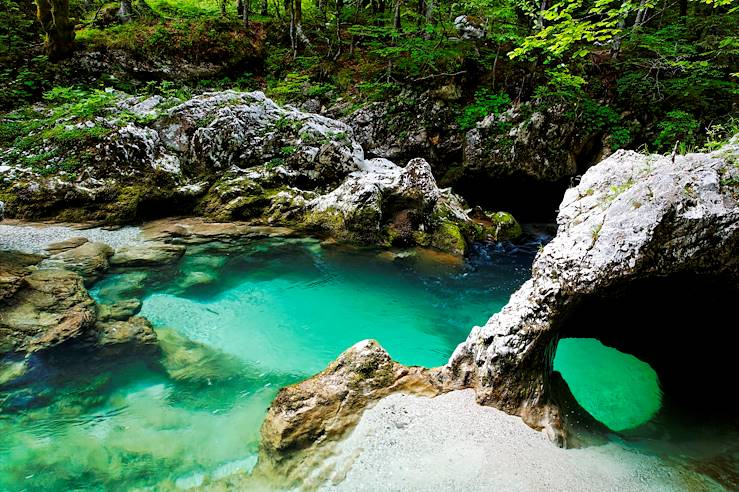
<point x="485" y="103"/>
<point x="561" y="86"/>
<point x="677" y="126"/>
<point x="16" y="27"/>
<point x="719" y="134"/>
<point x="290" y="88"/>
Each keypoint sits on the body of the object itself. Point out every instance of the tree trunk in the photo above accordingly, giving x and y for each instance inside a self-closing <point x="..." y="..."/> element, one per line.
<point x="683" y="8"/>
<point x="54" y="18"/>
<point x="429" y="16"/>
<point x="264" y="11"/>
<point x="641" y="15"/>
<point x="616" y="44"/>
<point x="397" y="24"/>
<point x="125" y="11"/>
<point x="540" y="19"/>
<point x="245" y="11"/>
<point x="223" y="8"/>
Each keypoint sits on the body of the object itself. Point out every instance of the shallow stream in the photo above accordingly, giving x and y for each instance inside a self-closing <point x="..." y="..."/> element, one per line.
<point x="236" y="322"/>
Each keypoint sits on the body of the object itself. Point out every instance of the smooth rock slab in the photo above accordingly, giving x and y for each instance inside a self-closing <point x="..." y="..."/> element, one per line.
<point x="147" y="254"/>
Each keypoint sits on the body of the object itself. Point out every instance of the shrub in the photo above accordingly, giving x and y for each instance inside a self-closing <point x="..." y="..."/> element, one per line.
<point x="485" y="103"/>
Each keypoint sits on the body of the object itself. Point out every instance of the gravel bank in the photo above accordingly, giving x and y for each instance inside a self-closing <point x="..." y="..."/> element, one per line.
<point x="450" y="443"/>
<point x="33" y="238"/>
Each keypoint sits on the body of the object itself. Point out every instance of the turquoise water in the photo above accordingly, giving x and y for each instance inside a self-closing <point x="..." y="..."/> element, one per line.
<point x="617" y="389"/>
<point x="236" y="323"/>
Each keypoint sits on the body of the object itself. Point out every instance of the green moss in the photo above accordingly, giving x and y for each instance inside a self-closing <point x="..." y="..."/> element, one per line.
<point x="448" y="237"/>
<point x="504" y="226"/>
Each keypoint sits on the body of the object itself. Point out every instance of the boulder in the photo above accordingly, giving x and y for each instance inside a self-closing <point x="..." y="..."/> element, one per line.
<point x="468" y="28"/>
<point x="133" y="336"/>
<point x="311" y="414"/>
<point x="119" y="311"/>
<point x="192" y="362"/>
<point x="49" y="308"/>
<point x="633" y="217"/>
<point x="147" y="254"/>
<point x="88" y="259"/>
<point x="14" y="267"/>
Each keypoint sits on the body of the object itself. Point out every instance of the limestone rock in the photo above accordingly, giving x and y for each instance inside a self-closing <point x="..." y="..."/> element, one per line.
<point x="147" y="254"/>
<point x="67" y="244"/>
<point x="49" y="308"/>
<point x="632" y="217"/>
<point x="14" y="266"/>
<point x="119" y="311"/>
<point x="467" y="28"/>
<point x="238" y="156"/>
<point x="88" y="259"/>
<point x="189" y="361"/>
<point x="306" y="415"/>
<point x="133" y="336"/>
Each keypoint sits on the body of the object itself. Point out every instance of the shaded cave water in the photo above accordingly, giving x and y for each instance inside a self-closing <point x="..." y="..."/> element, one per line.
<point x="238" y="321"/>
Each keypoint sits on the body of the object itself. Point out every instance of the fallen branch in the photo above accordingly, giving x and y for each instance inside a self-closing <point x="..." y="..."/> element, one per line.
<point x="440" y="75"/>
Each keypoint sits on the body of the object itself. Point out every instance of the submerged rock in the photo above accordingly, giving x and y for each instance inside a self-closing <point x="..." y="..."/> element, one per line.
<point x="192" y="362"/>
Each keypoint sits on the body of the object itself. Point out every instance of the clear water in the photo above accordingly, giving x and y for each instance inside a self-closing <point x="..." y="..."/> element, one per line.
<point x="617" y="389"/>
<point x="236" y="323"/>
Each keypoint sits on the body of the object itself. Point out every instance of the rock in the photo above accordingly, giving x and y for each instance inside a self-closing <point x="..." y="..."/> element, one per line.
<point x="632" y="217"/>
<point x="239" y="156"/>
<point x="498" y="226"/>
<point x="467" y="28"/>
<point x="119" y="311"/>
<point x="411" y="125"/>
<point x="12" y="368"/>
<point x="14" y="267"/>
<point x="49" y="308"/>
<point x="88" y="259"/>
<point x="147" y="254"/>
<point x="189" y="361"/>
<point x="67" y="244"/>
<point x="518" y="143"/>
<point x="133" y="336"/>
<point x="307" y="415"/>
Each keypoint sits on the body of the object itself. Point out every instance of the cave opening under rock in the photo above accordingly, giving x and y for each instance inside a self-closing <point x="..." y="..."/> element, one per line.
<point x="529" y="200"/>
<point x="682" y="328"/>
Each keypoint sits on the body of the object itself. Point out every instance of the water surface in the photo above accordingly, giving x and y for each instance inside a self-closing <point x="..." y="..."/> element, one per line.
<point x="236" y="323"/>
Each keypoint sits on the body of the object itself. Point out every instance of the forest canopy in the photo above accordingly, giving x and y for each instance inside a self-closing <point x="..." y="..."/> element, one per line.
<point x="652" y="72"/>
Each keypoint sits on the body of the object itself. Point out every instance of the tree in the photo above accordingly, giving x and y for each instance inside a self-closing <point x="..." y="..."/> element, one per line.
<point x="125" y="11"/>
<point x="54" y="18"/>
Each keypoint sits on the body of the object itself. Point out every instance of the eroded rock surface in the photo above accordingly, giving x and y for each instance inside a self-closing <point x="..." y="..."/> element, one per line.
<point x="42" y="308"/>
<point x="305" y="416"/>
<point x="236" y="156"/>
<point x="632" y="216"/>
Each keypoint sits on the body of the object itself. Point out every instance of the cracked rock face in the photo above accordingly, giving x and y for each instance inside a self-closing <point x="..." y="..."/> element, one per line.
<point x="631" y="217"/>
